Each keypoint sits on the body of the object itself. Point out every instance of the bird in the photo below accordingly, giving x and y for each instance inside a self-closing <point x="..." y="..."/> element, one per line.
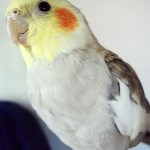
<point x="86" y="94"/>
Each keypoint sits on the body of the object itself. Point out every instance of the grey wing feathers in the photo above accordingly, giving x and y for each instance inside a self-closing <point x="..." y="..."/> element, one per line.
<point x="127" y="75"/>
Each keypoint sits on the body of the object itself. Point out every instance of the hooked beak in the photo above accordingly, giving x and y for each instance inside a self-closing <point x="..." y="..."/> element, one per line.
<point x="17" y="28"/>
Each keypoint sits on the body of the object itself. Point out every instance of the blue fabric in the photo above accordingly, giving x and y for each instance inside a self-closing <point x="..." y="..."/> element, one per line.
<point x="19" y="130"/>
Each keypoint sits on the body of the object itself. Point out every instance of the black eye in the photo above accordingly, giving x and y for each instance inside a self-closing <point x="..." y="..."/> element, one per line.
<point x="44" y="6"/>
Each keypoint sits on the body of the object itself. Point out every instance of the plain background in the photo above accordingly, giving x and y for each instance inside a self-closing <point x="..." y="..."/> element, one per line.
<point x="122" y="26"/>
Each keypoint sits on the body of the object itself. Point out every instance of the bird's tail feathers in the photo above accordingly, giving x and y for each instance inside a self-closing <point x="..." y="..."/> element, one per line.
<point x="146" y="138"/>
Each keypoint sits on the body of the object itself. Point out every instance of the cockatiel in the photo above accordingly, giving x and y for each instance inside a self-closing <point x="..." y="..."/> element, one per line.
<point x="86" y="94"/>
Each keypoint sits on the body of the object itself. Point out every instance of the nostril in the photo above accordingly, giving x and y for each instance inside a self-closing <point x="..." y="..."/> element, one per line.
<point x="15" y="11"/>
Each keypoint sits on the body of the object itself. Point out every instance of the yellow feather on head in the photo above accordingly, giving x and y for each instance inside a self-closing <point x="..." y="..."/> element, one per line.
<point x="49" y="32"/>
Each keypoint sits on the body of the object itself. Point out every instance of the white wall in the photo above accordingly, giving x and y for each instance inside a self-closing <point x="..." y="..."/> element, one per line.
<point x="12" y="68"/>
<point x="120" y="25"/>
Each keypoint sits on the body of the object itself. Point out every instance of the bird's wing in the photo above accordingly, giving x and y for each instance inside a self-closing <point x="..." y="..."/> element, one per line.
<point x="124" y="72"/>
<point x="130" y="106"/>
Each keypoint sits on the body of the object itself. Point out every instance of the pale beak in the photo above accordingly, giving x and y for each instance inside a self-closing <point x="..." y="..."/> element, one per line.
<point x="17" y="28"/>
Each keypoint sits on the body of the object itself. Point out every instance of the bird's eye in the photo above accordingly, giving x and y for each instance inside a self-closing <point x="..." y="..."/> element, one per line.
<point x="44" y="6"/>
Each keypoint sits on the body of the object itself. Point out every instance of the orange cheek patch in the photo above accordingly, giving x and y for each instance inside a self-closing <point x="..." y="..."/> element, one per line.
<point x="66" y="18"/>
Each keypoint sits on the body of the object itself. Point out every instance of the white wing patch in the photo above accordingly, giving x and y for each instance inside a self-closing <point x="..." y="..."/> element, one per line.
<point x="130" y="117"/>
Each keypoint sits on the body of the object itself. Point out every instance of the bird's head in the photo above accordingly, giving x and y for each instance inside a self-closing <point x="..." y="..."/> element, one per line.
<point x="46" y="28"/>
